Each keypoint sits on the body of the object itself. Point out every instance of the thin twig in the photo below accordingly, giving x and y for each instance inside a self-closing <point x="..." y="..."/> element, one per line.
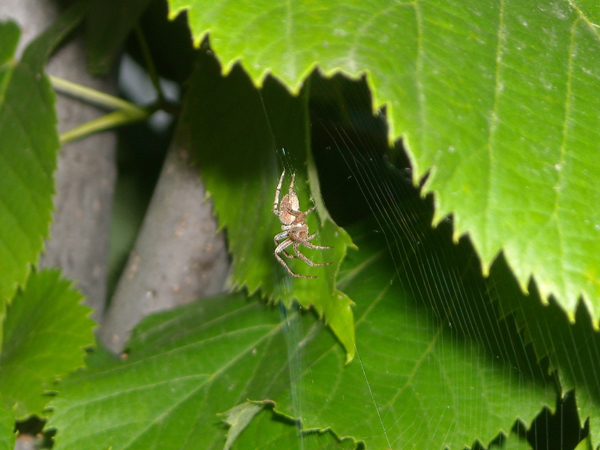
<point x="149" y="62"/>
<point x="111" y="120"/>
<point x="92" y="95"/>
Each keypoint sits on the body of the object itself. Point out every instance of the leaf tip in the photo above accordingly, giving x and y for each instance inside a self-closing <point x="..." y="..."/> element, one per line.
<point x="350" y="353"/>
<point x="485" y="268"/>
<point x="239" y="417"/>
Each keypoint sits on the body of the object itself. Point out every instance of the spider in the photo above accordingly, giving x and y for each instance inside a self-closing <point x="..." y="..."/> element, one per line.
<point x="295" y="229"/>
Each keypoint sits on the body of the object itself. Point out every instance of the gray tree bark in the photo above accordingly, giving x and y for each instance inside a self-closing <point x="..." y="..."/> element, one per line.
<point x="178" y="256"/>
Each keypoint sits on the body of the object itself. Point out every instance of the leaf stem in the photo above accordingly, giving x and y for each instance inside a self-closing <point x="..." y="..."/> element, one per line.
<point x="111" y="120"/>
<point x="93" y="96"/>
<point x="149" y="61"/>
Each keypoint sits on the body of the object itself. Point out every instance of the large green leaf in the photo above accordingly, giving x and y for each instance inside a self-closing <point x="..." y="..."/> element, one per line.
<point x="45" y="332"/>
<point x="235" y="131"/>
<point x="28" y="153"/>
<point x="416" y="381"/>
<point x="504" y="89"/>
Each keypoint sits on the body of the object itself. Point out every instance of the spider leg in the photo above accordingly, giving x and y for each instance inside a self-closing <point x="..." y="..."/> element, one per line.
<point x="276" y="202"/>
<point x="311" y="210"/>
<point x="282" y="262"/>
<point x="316" y="247"/>
<point x="300" y="213"/>
<point x="305" y="258"/>
<point x="281" y="248"/>
<point x="291" y="191"/>
<point x="281" y="236"/>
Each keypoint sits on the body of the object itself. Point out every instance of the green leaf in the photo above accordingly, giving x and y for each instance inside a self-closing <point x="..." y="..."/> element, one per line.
<point x="572" y="348"/>
<point x="39" y="50"/>
<point x="505" y="90"/>
<point x="238" y="418"/>
<point x="108" y="25"/>
<point x="512" y="442"/>
<point x="416" y="381"/>
<point x="235" y="131"/>
<point x="7" y="427"/>
<point x="585" y="444"/>
<point x="100" y="356"/>
<point x="270" y="431"/>
<point x="45" y="332"/>
<point x="28" y="157"/>
<point x="28" y="150"/>
<point x="9" y="38"/>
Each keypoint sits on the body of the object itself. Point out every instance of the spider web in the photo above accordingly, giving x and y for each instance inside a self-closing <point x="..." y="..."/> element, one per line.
<point x="362" y="179"/>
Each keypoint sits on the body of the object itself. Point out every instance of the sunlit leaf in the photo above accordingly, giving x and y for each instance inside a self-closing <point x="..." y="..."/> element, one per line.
<point x="585" y="444"/>
<point x="45" y="333"/>
<point x="418" y="384"/>
<point x="496" y="100"/>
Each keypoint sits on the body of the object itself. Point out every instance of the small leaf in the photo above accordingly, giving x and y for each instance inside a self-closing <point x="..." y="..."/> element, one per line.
<point x="45" y="332"/>
<point x="28" y="150"/>
<point x="235" y="133"/>
<point x="238" y="418"/>
<point x="270" y="431"/>
<point x="28" y="156"/>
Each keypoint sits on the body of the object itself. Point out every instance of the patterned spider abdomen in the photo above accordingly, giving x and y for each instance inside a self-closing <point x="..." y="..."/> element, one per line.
<point x="289" y="203"/>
